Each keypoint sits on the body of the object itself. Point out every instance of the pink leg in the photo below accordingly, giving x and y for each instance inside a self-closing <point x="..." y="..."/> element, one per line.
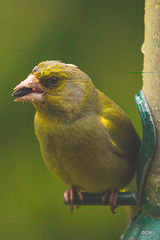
<point x="70" y="196"/>
<point x="112" y="199"/>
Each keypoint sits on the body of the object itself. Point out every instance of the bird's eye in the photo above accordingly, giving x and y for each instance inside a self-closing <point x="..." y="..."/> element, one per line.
<point x="53" y="81"/>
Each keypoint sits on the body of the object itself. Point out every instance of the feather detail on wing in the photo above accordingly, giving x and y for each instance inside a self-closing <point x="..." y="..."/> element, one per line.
<point x="123" y="135"/>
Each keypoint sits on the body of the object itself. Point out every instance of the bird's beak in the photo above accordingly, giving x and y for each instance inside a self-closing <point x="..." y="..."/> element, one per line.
<point x="30" y="90"/>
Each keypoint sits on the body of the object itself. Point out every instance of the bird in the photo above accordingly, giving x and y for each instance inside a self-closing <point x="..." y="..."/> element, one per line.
<point x="86" y="139"/>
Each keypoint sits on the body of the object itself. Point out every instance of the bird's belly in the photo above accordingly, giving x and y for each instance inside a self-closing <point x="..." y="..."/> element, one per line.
<point x="89" y="168"/>
<point x="84" y="158"/>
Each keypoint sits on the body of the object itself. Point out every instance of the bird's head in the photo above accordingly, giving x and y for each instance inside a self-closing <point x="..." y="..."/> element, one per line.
<point x="55" y="87"/>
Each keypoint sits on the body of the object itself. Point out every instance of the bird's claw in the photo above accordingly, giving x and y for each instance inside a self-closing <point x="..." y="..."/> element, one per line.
<point x="112" y="199"/>
<point x="70" y="196"/>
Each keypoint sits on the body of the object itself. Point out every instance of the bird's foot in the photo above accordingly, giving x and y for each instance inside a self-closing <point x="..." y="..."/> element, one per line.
<point x="70" y="196"/>
<point x="112" y="199"/>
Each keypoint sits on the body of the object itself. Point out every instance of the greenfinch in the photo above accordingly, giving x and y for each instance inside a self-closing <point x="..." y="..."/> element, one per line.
<point x="86" y="140"/>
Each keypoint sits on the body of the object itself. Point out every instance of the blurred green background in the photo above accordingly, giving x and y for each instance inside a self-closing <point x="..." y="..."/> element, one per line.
<point x="104" y="39"/>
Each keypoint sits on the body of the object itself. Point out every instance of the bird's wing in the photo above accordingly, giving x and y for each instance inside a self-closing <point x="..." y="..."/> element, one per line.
<point x="123" y="135"/>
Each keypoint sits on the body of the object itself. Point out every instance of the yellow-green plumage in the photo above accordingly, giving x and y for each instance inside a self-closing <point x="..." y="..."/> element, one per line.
<point x="85" y="138"/>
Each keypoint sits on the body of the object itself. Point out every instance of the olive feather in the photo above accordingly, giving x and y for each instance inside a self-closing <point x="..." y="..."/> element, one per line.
<point x="86" y="139"/>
